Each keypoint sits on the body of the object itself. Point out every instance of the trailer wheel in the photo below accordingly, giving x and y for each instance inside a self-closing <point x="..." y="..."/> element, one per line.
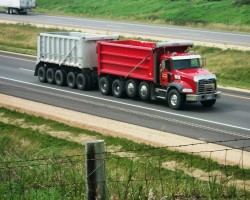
<point x="176" y="101"/>
<point x="88" y="81"/>
<point x="50" y="74"/>
<point x="81" y="82"/>
<point x="132" y="88"/>
<point x="71" y="80"/>
<point x="41" y="72"/>
<point x="105" y="85"/>
<point x="7" y="11"/>
<point x="144" y="90"/>
<point x="208" y="103"/>
<point x="60" y="77"/>
<point x="118" y="88"/>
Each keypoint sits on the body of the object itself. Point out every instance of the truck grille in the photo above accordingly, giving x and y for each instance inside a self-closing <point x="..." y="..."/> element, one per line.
<point x="206" y="86"/>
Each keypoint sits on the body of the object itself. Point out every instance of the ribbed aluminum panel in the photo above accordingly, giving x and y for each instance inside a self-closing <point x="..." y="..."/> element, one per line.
<point x="70" y="48"/>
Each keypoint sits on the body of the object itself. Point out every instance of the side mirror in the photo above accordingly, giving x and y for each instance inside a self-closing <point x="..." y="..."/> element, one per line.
<point x="203" y="62"/>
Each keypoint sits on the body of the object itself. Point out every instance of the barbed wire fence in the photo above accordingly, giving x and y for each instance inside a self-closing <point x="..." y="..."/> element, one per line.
<point x="147" y="173"/>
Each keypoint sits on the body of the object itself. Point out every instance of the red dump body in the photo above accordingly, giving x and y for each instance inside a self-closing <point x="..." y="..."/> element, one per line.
<point x="135" y="59"/>
<point x="121" y="57"/>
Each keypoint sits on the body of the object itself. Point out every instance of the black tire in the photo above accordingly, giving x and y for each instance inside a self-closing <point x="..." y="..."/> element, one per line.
<point x="71" y="80"/>
<point x="60" y="77"/>
<point x="7" y="11"/>
<point x="144" y="91"/>
<point x="176" y="100"/>
<point x="50" y="75"/>
<point x="41" y="73"/>
<point x="105" y="85"/>
<point x="82" y="82"/>
<point x="118" y="88"/>
<point x="208" y="103"/>
<point x="132" y="88"/>
<point x="89" y="81"/>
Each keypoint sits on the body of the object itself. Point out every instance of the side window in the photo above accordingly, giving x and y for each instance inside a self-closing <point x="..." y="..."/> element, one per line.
<point x="167" y="64"/>
<point x="163" y="66"/>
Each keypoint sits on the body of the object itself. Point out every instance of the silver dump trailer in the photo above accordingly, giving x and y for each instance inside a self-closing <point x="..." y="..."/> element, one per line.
<point x="17" y="6"/>
<point x="69" y="58"/>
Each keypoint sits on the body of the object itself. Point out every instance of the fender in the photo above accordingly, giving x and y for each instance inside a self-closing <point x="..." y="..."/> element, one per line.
<point x="178" y="86"/>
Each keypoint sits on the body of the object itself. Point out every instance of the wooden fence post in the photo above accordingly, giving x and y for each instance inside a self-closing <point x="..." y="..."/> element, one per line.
<point x="96" y="174"/>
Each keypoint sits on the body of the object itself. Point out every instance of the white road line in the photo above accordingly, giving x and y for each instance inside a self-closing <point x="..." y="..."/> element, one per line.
<point x="236" y="96"/>
<point x="131" y="105"/>
<point x="26" y="70"/>
<point x="19" y="54"/>
<point x="224" y="94"/>
<point x="16" y="58"/>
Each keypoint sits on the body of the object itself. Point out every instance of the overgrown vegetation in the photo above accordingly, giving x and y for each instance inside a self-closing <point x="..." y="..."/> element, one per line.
<point x="232" y="67"/>
<point x="37" y="161"/>
<point x="222" y="14"/>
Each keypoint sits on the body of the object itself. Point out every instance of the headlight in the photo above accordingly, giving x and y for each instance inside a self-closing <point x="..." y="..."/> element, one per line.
<point x="187" y="90"/>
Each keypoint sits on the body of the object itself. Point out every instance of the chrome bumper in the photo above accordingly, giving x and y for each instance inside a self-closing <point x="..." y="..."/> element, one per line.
<point x="203" y="97"/>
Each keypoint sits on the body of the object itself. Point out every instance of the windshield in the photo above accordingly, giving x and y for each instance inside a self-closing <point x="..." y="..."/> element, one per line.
<point x="186" y="64"/>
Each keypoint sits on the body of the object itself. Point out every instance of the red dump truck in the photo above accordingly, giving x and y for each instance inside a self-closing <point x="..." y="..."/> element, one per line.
<point x="150" y="70"/>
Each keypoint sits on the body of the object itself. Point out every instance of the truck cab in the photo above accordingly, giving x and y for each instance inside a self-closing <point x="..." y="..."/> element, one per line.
<point x="184" y="79"/>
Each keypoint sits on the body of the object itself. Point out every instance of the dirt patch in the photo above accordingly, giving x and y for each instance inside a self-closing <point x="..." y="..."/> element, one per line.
<point x="131" y="132"/>
<point x="208" y="176"/>
<point x="117" y="150"/>
<point x="82" y="139"/>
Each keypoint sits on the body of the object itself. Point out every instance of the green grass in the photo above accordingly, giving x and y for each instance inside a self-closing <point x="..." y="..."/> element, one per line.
<point x="45" y="166"/>
<point x="20" y="38"/>
<point x="223" y="14"/>
<point x="232" y="67"/>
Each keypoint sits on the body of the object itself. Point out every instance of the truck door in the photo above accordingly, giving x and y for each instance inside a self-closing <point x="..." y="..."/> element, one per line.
<point x="164" y="72"/>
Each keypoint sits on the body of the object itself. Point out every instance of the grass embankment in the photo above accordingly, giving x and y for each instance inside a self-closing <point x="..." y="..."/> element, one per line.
<point x="133" y="170"/>
<point x="232" y="67"/>
<point x="223" y="14"/>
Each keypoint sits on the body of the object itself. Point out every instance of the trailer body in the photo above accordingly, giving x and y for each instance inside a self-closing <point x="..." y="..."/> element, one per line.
<point x="69" y="48"/>
<point x="17" y="6"/>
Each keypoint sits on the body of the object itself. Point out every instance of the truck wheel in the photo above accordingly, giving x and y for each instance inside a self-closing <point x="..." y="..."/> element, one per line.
<point x="105" y="85"/>
<point x="71" y="80"/>
<point x="144" y="90"/>
<point x="50" y="74"/>
<point x="41" y="74"/>
<point x="175" y="100"/>
<point x="118" y="88"/>
<point x="132" y="88"/>
<point x="11" y="11"/>
<point x="7" y="11"/>
<point x="208" y="103"/>
<point x="60" y="77"/>
<point x="81" y="82"/>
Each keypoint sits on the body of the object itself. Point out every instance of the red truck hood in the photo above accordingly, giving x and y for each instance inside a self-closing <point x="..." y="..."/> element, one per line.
<point x="191" y="73"/>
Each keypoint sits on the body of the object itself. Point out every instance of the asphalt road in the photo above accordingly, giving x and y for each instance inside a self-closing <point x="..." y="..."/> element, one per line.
<point x="227" y="120"/>
<point x="169" y="32"/>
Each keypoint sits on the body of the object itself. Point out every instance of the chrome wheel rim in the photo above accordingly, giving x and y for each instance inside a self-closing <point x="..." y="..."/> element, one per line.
<point x="131" y="88"/>
<point x="144" y="90"/>
<point x="174" y="99"/>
